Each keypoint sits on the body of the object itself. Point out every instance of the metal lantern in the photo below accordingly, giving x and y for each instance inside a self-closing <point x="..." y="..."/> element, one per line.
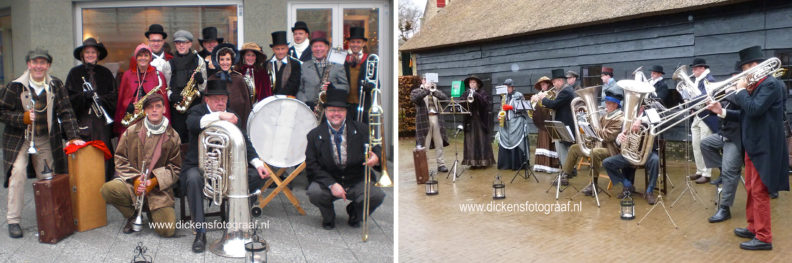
<point x="627" y="208"/>
<point x="140" y="254"/>
<point x="256" y="250"/>
<point x="46" y="174"/>
<point x="498" y="188"/>
<point x="431" y="185"/>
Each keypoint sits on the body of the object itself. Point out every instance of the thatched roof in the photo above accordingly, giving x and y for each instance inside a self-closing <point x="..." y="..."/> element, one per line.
<point x="470" y="21"/>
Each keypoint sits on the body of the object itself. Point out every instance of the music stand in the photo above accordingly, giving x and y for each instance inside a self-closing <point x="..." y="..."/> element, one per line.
<point x="525" y="167"/>
<point x="454" y="108"/>
<point x="559" y="133"/>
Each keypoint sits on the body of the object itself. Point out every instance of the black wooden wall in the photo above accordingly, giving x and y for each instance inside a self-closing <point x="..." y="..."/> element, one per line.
<point x="670" y="40"/>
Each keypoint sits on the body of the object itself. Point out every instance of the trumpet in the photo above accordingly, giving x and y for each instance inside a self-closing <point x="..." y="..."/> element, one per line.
<point x="190" y="91"/>
<point x="376" y="135"/>
<point x="31" y="130"/>
<point x="550" y="94"/>
<point x="130" y="118"/>
<point x="96" y="106"/>
<point x="137" y="225"/>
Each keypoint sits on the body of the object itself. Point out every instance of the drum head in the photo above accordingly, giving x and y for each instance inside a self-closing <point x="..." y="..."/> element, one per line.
<point x="278" y="127"/>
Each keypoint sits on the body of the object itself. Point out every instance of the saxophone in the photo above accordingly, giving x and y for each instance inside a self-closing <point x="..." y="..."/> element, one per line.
<point x="130" y="118"/>
<point x="322" y="98"/>
<point x="190" y="91"/>
<point x="502" y="113"/>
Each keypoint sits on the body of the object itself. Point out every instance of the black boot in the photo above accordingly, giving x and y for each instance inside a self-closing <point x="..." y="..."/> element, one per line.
<point x="14" y="230"/>
<point x="354" y="220"/>
<point x="199" y="244"/>
<point x="721" y="215"/>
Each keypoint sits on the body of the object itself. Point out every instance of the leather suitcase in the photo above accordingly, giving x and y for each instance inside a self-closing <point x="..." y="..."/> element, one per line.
<point x="421" y="167"/>
<point x="53" y="209"/>
<point x="86" y="177"/>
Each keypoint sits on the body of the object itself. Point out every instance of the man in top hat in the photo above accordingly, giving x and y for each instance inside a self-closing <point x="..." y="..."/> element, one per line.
<point x="287" y="69"/>
<point x="355" y="67"/>
<point x="728" y="140"/>
<point x="762" y="133"/>
<point x="92" y="125"/>
<point x="301" y="48"/>
<point x="214" y="108"/>
<point x="36" y="98"/>
<point x="183" y="66"/>
<point x="335" y="155"/>
<point x="661" y="88"/>
<point x="208" y="43"/>
<point x="159" y="58"/>
<point x="429" y="130"/>
<point x="313" y="72"/>
<point x="561" y="104"/>
<point x="609" y="84"/>
<point x="704" y="123"/>
<point x="571" y="79"/>
<point x="611" y="125"/>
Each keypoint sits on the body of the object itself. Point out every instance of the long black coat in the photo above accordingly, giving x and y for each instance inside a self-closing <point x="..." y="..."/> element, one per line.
<point x="319" y="161"/>
<point x="90" y="127"/>
<point x="287" y="77"/>
<point x="763" y="139"/>
<point x="661" y="88"/>
<point x="194" y="115"/>
<point x="561" y="105"/>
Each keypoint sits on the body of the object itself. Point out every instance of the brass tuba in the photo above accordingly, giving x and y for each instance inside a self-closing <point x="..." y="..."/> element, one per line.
<point x="636" y="145"/>
<point x="584" y="108"/>
<point x="222" y="160"/>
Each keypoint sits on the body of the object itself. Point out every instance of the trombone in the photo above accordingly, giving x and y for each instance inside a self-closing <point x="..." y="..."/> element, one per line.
<point x="375" y="139"/>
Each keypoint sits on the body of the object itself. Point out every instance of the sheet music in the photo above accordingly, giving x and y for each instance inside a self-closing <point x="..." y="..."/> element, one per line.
<point x="336" y="57"/>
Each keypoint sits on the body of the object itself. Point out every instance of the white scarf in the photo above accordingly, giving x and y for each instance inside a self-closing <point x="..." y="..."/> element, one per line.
<point x="300" y="47"/>
<point x="655" y="81"/>
<point x="158" y="61"/>
<point x="38" y="87"/>
<point x="156" y="129"/>
<point x="700" y="77"/>
<point x="358" y="54"/>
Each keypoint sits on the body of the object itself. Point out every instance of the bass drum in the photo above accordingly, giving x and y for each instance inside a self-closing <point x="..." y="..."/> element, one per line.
<point x="278" y="127"/>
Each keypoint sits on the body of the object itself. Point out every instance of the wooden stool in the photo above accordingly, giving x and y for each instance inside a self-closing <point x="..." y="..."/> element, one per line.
<point x="282" y="187"/>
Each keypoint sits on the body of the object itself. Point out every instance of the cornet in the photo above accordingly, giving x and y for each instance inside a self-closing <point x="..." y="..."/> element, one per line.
<point x="137" y="225"/>
<point x="31" y="133"/>
<point x="470" y="97"/>
<point x="96" y="106"/>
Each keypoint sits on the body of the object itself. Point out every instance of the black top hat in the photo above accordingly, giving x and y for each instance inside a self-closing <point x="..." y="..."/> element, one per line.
<point x="699" y="62"/>
<point x="210" y="33"/>
<point x="216" y="87"/>
<point x="90" y="42"/>
<point x="558" y="74"/>
<point x="657" y="68"/>
<point x="751" y="54"/>
<point x="301" y="25"/>
<point x="156" y="29"/>
<point x="357" y="33"/>
<point x="473" y="77"/>
<point x="336" y="97"/>
<point x="234" y="54"/>
<point x="279" y="38"/>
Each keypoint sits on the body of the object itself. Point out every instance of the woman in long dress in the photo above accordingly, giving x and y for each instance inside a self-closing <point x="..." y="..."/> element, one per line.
<point x="546" y="156"/>
<point x="478" y="126"/>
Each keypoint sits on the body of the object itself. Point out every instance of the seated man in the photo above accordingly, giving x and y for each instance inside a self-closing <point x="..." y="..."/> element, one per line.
<point x="610" y="127"/>
<point x="620" y="170"/>
<point x="335" y="157"/>
<point x="155" y="144"/>
<point x="192" y="181"/>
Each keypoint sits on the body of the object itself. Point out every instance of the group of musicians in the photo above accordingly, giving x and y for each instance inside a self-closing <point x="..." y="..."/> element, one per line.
<point x="745" y="127"/>
<point x="147" y="109"/>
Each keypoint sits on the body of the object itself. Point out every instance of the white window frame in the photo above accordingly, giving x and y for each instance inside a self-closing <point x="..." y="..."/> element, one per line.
<point x="79" y="6"/>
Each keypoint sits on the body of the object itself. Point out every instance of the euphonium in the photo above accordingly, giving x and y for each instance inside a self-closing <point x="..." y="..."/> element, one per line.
<point x="190" y="91"/>
<point x="96" y="106"/>
<point x="685" y="86"/>
<point x="223" y="161"/>
<point x="130" y="118"/>
<point x="584" y="109"/>
<point x="636" y="145"/>
<point x="376" y="135"/>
